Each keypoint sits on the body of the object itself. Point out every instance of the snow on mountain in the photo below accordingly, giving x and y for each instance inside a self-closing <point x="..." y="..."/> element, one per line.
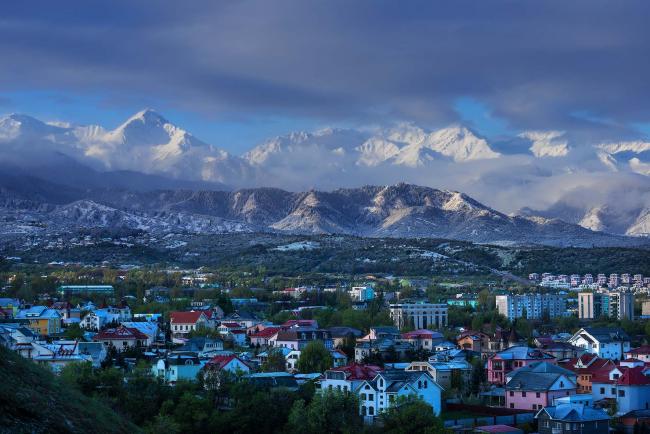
<point x="547" y="143"/>
<point x="641" y="226"/>
<point x="636" y="147"/>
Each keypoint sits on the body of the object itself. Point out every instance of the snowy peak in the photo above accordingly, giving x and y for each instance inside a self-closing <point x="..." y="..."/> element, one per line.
<point x="547" y="143"/>
<point x="15" y="126"/>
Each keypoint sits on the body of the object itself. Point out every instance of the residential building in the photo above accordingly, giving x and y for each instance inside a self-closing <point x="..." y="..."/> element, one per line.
<point x="202" y="346"/>
<point x="41" y="320"/>
<point x="96" y="350"/>
<point x="229" y="363"/>
<point x="340" y="334"/>
<point x="362" y="293"/>
<point x="261" y="338"/>
<point x="177" y="366"/>
<point x="641" y="353"/>
<point x="86" y="289"/>
<point x="605" y="342"/>
<point x="10" y="305"/>
<point x="645" y="309"/>
<point x="621" y="304"/>
<point x="148" y="328"/>
<point x="298" y="338"/>
<point x="121" y="338"/>
<point x="182" y="323"/>
<point x="423" y="339"/>
<point x="537" y="385"/>
<point x="386" y="348"/>
<point x="506" y="361"/>
<point x="625" y="384"/>
<point x="558" y="349"/>
<point x="532" y="306"/>
<point x="592" y="305"/>
<point x="419" y="314"/>
<point x="585" y="367"/>
<point x="347" y="378"/>
<point x="572" y="419"/>
<point x="451" y="374"/>
<point x="378" y="394"/>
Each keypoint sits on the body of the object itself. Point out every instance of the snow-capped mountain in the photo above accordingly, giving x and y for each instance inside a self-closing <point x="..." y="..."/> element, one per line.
<point x="149" y="152"/>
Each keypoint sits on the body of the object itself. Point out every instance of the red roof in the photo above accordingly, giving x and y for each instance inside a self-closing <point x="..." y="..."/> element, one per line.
<point x="634" y="377"/>
<point x="359" y="372"/>
<point x="120" y="333"/>
<point x="223" y="361"/>
<point x="643" y="349"/>
<point x="231" y="325"/>
<point x="300" y="323"/>
<point x="268" y="332"/>
<point x="190" y="317"/>
<point x="418" y="334"/>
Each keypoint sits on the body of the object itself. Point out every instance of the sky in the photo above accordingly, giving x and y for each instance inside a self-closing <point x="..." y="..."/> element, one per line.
<point x="236" y="73"/>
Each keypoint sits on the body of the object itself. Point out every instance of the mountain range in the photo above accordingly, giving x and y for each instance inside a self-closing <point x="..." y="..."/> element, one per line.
<point x="540" y="180"/>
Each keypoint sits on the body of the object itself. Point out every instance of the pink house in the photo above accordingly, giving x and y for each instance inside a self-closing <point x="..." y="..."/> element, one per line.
<point x="506" y="361"/>
<point x="536" y="386"/>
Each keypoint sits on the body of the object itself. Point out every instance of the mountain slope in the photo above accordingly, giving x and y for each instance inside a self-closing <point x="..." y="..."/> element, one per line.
<point x="35" y="401"/>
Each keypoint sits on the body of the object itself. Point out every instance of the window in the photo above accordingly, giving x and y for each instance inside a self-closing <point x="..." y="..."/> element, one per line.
<point x="537" y="395"/>
<point x="371" y="411"/>
<point x="512" y="405"/>
<point x="621" y="393"/>
<point x="602" y="390"/>
<point x="363" y="396"/>
<point x="371" y="397"/>
<point x="419" y="385"/>
<point x="363" y="410"/>
<point x="613" y="391"/>
<point x="512" y="393"/>
<point x="425" y="384"/>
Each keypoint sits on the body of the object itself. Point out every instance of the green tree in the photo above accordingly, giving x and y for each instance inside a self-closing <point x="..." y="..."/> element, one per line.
<point x="275" y="362"/>
<point x="314" y="358"/>
<point x="329" y="412"/>
<point x="74" y="332"/>
<point x="411" y="415"/>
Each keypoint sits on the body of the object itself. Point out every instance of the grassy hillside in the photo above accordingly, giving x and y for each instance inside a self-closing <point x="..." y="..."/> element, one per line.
<point x="33" y="400"/>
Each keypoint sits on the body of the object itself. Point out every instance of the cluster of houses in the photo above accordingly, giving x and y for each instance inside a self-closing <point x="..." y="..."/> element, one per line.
<point x="566" y="380"/>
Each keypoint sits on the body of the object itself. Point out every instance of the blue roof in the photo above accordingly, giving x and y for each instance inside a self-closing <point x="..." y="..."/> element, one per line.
<point x="574" y="413"/>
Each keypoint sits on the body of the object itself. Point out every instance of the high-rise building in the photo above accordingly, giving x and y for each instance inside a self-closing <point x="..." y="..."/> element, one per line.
<point x="418" y="314"/>
<point x="621" y="304"/>
<point x="532" y="306"/>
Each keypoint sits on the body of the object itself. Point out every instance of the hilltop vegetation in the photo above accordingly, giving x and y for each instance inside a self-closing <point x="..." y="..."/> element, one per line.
<point x="33" y="400"/>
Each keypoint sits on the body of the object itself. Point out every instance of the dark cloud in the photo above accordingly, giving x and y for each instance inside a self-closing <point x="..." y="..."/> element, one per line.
<point x="535" y="64"/>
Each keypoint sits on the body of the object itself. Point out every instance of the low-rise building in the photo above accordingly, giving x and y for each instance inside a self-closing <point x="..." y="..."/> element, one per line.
<point x="122" y="338"/>
<point x="177" y="366"/>
<point x="537" y="385"/>
<point x="41" y="320"/>
<point x="572" y="419"/>
<point x="605" y="342"/>
<point x="419" y="314"/>
<point x="506" y="361"/>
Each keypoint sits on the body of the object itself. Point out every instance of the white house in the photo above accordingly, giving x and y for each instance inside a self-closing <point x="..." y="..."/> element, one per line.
<point x="375" y="396"/>
<point x="182" y="323"/>
<point x="347" y="378"/>
<point x="605" y="342"/>
<point x="627" y="385"/>
<point x="145" y="327"/>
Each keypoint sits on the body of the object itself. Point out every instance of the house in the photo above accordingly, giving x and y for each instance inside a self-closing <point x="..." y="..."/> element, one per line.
<point x="97" y="319"/>
<point x="41" y="320"/>
<point x="182" y="323"/>
<point x="95" y="350"/>
<point x="378" y="394"/>
<point x="626" y="384"/>
<point x="18" y="338"/>
<point x="261" y="338"/>
<point x="503" y="362"/>
<point x="635" y="421"/>
<point x="386" y="348"/>
<point x="148" y="328"/>
<point x="297" y="338"/>
<point x="302" y="323"/>
<point x="238" y="337"/>
<point x="559" y="350"/>
<point x="202" y="346"/>
<point x="607" y="342"/>
<point x="423" y="339"/>
<point x="340" y="334"/>
<point x="177" y="366"/>
<point x="383" y="332"/>
<point x="473" y="340"/>
<point x="10" y="305"/>
<point x="243" y="318"/>
<point x="339" y="358"/>
<point x="68" y="312"/>
<point x="641" y="353"/>
<point x="537" y="385"/>
<point x="572" y="419"/>
<point x="229" y="363"/>
<point x="347" y="378"/>
<point x="585" y="367"/>
<point x="226" y="328"/>
<point x="585" y="399"/>
<point x="57" y="355"/>
<point x="122" y="338"/>
<point x="447" y="374"/>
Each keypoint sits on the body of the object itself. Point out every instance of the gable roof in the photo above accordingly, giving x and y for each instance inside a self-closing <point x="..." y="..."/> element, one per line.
<point x="221" y="362"/>
<point x="603" y="335"/>
<point x="422" y="334"/>
<point x="520" y="352"/>
<point x="268" y="332"/>
<point x="121" y="333"/>
<point x="643" y="349"/>
<point x="357" y="372"/>
<point x="634" y="377"/>
<point x="574" y="413"/>
<point x="535" y="381"/>
<point x="189" y="317"/>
